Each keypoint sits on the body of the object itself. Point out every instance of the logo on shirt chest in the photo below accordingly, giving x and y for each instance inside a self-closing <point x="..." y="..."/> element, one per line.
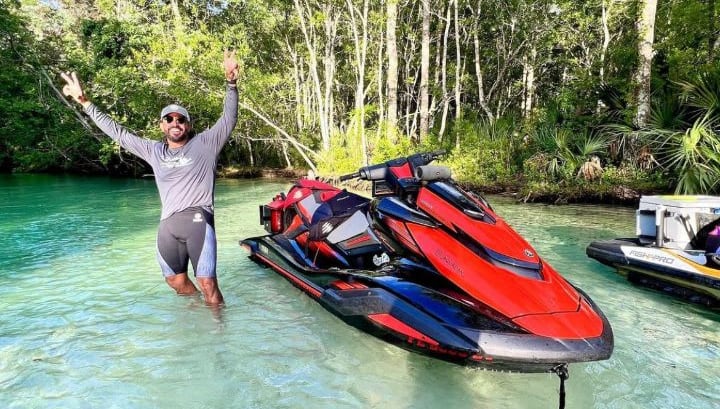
<point x="172" y="162"/>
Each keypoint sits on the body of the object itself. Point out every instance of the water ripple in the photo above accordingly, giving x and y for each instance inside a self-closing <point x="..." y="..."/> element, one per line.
<point x="88" y="321"/>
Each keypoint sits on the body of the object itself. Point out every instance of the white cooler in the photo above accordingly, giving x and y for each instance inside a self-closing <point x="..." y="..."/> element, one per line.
<point x="679" y="216"/>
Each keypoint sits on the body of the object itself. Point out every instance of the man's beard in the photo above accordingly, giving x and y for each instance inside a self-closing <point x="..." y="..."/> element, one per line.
<point x="176" y="138"/>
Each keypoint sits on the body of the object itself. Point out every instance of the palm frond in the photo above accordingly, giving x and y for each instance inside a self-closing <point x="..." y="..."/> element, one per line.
<point x="703" y="94"/>
<point x="693" y="155"/>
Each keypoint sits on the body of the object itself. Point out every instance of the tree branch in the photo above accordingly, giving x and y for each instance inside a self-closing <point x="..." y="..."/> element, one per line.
<point x="302" y="149"/>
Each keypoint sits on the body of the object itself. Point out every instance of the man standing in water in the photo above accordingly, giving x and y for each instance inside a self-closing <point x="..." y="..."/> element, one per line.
<point x="184" y="166"/>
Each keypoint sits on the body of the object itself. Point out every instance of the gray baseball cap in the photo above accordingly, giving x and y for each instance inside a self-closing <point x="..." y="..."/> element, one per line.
<point x="174" y="108"/>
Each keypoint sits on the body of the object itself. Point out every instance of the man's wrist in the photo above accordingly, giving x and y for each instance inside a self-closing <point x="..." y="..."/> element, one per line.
<point x="232" y="83"/>
<point x="84" y="101"/>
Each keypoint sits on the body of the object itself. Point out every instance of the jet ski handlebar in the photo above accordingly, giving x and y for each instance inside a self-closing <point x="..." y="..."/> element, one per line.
<point x="374" y="172"/>
<point x="420" y="160"/>
<point x="428" y="157"/>
<point x="349" y="176"/>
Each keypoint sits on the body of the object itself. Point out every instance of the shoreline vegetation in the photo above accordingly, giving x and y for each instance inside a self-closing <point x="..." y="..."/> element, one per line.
<point x="554" y="102"/>
<point x="580" y="194"/>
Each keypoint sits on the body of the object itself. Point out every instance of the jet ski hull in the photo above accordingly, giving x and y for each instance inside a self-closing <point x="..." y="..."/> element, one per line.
<point x="426" y="314"/>
<point x="690" y="275"/>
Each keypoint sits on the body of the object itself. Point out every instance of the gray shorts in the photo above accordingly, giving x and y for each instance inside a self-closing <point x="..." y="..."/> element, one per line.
<point x="185" y="236"/>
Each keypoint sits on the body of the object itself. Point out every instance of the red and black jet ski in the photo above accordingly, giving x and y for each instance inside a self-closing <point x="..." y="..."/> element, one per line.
<point x="430" y="267"/>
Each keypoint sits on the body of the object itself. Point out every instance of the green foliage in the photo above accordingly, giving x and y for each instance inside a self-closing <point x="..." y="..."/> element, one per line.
<point x="681" y="136"/>
<point x="560" y="152"/>
<point x="107" y="39"/>
<point x="685" y="33"/>
<point x="35" y="134"/>
<point x="384" y="149"/>
<point x="702" y="94"/>
<point x="487" y="153"/>
<point x="344" y="155"/>
<point x="694" y="155"/>
<point x="623" y="184"/>
<point x="135" y="57"/>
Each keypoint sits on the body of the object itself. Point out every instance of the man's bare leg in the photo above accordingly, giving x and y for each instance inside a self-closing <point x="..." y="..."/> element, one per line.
<point x="181" y="284"/>
<point x="211" y="290"/>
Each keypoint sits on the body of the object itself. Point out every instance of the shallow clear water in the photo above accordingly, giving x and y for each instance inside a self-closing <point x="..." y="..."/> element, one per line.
<point x="86" y="320"/>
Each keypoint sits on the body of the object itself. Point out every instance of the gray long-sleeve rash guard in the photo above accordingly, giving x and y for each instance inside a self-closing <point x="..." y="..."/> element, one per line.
<point x="185" y="177"/>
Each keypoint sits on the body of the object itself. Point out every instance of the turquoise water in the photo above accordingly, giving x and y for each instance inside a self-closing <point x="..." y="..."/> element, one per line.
<point x="87" y="321"/>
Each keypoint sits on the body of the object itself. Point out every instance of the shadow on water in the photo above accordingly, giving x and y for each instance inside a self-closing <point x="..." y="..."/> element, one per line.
<point x="462" y="387"/>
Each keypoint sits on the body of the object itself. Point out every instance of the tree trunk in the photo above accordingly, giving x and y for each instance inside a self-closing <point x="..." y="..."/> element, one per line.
<point x="459" y="68"/>
<point x="713" y="38"/>
<point x="300" y="148"/>
<point x="330" y="65"/>
<point x="250" y="152"/>
<point x="360" y="40"/>
<point x="286" y="156"/>
<point x="482" y="101"/>
<point x="529" y="82"/>
<point x="646" y="33"/>
<point x="443" y="73"/>
<point x="435" y="79"/>
<point x="392" y="69"/>
<point x="425" y="71"/>
<point x="380" y="84"/>
<point x="606" y="37"/>
<point x="298" y="87"/>
<point x="323" y="99"/>
<point x="177" y="18"/>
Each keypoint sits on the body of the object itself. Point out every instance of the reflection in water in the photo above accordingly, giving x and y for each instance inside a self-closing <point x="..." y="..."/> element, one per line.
<point x="87" y="320"/>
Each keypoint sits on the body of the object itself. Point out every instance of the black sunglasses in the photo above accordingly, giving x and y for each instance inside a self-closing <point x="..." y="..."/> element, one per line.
<point x="169" y="119"/>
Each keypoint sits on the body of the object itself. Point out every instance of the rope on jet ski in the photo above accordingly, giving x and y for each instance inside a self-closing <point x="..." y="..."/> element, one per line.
<point x="562" y="372"/>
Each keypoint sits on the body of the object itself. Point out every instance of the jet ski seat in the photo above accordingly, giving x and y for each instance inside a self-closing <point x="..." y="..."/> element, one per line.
<point x="708" y="238"/>
<point x="343" y="204"/>
<point x="336" y="211"/>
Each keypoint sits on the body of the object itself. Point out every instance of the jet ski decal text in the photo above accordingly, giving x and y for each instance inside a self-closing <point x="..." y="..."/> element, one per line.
<point x="449" y="262"/>
<point x="652" y="257"/>
<point x="381" y="259"/>
<point x="657" y="256"/>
